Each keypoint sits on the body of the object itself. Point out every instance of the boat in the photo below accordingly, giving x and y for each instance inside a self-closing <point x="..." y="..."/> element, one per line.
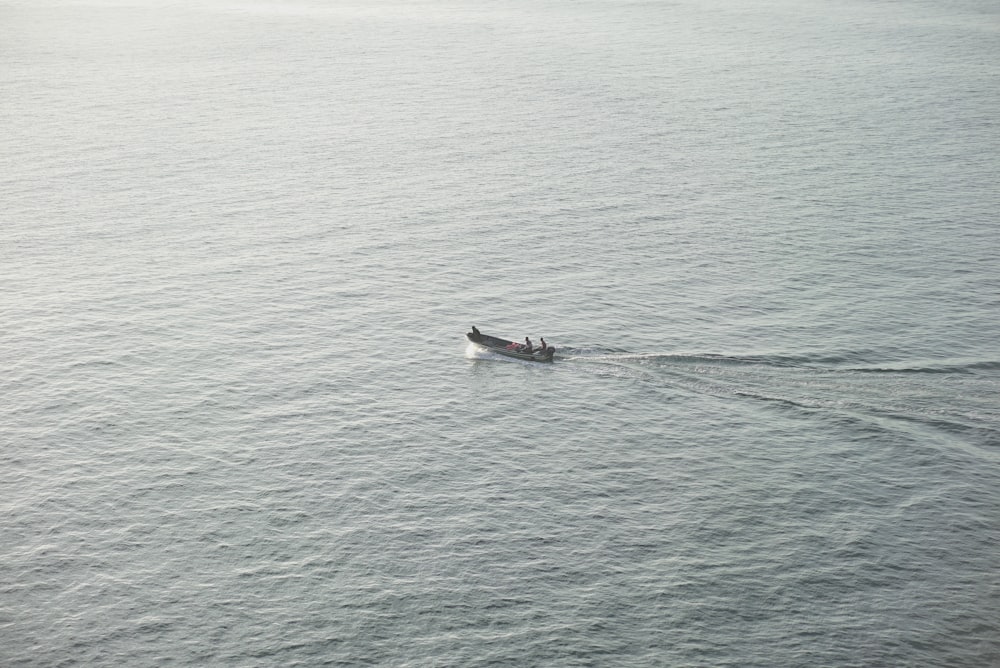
<point x="509" y="348"/>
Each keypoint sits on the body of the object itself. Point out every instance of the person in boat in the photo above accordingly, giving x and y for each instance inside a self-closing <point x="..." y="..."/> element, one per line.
<point x="476" y="336"/>
<point x="542" y="348"/>
<point x="528" y="348"/>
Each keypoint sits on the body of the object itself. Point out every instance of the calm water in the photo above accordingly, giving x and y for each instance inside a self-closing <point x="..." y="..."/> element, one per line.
<point x="240" y="243"/>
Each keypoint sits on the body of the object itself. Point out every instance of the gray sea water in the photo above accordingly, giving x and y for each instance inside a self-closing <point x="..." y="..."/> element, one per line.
<point x="240" y="244"/>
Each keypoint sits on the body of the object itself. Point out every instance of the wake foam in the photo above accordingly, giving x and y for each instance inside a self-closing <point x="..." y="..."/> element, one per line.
<point x="821" y="363"/>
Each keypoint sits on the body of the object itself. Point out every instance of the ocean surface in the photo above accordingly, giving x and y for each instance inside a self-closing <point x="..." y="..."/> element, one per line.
<point x="241" y="242"/>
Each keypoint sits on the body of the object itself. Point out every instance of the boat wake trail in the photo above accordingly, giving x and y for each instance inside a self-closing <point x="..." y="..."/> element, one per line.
<point x="591" y="355"/>
<point x="951" y="397"/>
<point x="846" y="363"/>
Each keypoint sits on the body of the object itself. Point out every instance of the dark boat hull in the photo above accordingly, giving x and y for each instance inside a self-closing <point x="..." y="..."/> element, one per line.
<point x="499" y="346"/>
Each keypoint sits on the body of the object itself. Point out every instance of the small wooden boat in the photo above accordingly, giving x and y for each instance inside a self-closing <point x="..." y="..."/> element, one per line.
<point x="509" y="348"/>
